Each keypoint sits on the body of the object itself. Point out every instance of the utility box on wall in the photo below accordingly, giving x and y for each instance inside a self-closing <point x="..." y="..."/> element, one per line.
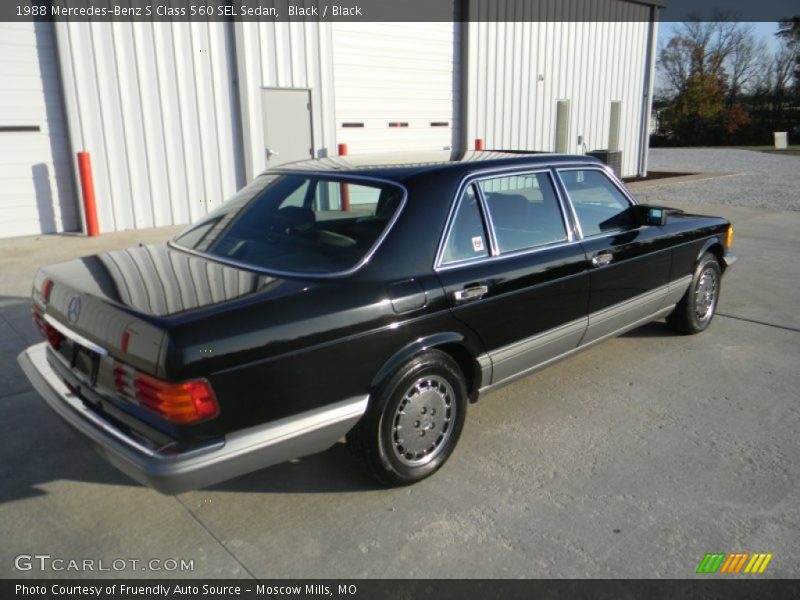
<point x="612" y="158"/>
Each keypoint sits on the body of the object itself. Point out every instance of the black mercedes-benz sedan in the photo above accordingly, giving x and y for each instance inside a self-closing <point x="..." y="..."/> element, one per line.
<point x="367" y="297"/>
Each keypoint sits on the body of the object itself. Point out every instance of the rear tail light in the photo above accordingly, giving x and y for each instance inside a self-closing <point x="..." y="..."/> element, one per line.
<point x="182" y="403"/>
<point x="47" y="287"/>
<point x="38" y="320"/>
<point x="54" y="336"/>
<point x="40" y="299"/>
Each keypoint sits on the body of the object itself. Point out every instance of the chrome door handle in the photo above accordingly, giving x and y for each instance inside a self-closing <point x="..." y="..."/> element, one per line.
<point x="602" y="259"/>
<point x="271" y="152"/>
<point x="471" y="293"/>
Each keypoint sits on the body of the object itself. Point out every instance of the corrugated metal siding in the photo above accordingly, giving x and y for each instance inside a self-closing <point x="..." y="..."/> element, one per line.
<point x="155" y="105"/>
<point x="396" y="73"/>
<point x="35" y="178"/>
<point x="519" y="70"/>
<point x="290" y="55"/>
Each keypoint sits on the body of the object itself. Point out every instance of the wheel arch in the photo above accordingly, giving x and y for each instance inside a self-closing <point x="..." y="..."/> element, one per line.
<point x="715" y="247"/>
<point x="452" y="343"/>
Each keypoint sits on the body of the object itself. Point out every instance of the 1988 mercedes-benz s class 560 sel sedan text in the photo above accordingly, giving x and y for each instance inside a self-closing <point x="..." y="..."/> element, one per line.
<point x="371" y="298"/>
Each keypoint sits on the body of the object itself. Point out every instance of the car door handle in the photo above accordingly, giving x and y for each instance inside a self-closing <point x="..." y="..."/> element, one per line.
<point x="271" y="152"/>
<point x="471" y="293"/>
<point x="602" y="259"/>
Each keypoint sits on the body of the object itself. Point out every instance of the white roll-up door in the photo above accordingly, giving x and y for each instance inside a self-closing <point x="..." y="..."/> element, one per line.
<point x="36" y="188"/>
<point x="395" y="85"/>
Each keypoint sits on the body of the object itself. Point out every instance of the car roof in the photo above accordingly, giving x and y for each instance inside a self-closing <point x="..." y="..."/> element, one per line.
<point x="402" y="165"/>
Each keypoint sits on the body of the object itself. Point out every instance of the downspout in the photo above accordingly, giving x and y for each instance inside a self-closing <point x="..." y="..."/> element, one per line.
<point x="461" y="137"/>
<point x="647" y="96"/>
<point x="72" y="115"/>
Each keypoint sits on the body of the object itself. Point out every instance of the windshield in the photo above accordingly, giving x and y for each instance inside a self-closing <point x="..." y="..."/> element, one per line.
<point x="297" y="224"/>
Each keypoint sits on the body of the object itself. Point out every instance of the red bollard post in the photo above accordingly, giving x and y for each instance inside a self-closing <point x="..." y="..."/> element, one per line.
<point x="87" y="189"/>
<point x="344" y="189"/>
<point x="479" y="144"/>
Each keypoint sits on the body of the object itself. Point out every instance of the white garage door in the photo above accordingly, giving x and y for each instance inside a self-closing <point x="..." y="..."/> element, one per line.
<point x="36" y="189"/>
<point x="395" y="85"/>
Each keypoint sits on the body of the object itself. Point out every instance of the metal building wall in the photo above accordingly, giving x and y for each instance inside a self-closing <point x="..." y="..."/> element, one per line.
<point x="35" y="172"/>
<point x="155" y="105"/>
<point x="396" y="85"/>
<point x="288" y="55"/>
<point x="517" y="71"/>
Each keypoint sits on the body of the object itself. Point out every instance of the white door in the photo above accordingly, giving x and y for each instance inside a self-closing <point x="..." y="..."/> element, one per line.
<point x="395" y="85"/>
<point x="36" y="185"/>
<point x="287" y="125"/>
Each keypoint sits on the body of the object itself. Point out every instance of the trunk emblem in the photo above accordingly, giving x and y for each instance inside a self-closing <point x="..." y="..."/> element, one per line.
<point x="74" y="309"/>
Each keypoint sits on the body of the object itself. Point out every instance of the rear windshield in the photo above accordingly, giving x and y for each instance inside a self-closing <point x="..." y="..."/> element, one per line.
<point x="297" y="224"/>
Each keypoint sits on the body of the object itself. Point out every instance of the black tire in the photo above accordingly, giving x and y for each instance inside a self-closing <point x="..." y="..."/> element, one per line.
<point x="433" y="385"/>
<point x="694" y="312"/>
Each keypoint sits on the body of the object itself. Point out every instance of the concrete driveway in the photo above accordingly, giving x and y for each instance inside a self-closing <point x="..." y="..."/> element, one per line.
<point x="632" y="459"/>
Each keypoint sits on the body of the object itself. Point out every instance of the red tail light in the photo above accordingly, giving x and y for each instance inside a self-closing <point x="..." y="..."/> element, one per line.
<point x="187" y="402"/>
<point x="47" y="287"/>
<point x="54" y="336"/>
<point x="38" y="320"/>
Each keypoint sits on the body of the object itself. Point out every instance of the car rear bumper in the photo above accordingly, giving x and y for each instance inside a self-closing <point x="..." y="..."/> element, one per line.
<point x="238" y="453"/>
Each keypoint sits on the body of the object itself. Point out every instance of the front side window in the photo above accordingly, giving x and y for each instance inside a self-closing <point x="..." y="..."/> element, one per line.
<point x="467" y="238"/>
<point x="297" y="224"/>
<point x="599" y="205"/>
<point x="524" y="211"/>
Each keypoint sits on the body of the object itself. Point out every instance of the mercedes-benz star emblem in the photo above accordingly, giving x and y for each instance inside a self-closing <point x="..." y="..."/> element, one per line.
<point x="74" y="309"/>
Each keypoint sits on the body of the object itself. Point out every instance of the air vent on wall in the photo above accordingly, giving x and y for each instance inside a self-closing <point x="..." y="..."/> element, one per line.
<point x="19" y="128"/>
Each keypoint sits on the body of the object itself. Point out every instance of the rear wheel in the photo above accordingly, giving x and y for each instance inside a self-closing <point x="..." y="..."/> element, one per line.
<point x="413" y="422"/>
<point x="694" y="312"/>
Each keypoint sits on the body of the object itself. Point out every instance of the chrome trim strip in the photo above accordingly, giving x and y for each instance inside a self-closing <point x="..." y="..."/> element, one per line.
<point x="495" y="385"/>
<point x="615" y="181"/>
<point x="487" y="220"/>
<point x="523" y="252"/>
<point x="345" y="178"/>
<point x="519" y="356"/>
<point x="485" y="364"/>
<point x="607" y="322"/>
<point x="494" y="174"/>
<point x="676" y="290"/>
<point x="617" y="316"/>
<point x="239" y="453"/>
<point x="75" y="337"/>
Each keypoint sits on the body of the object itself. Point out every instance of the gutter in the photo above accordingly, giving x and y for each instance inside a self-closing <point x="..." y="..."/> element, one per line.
<point x="647" y="96"/>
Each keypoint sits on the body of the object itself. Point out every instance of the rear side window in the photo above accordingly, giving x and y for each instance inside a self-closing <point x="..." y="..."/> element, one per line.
<point x="297" y="224"/>
<point x="467" y="238"/>
<point x="524" y="211"/>
<point x="599" y="205"/>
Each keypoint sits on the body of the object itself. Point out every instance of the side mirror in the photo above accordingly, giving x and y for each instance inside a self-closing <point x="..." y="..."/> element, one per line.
<point x="650" y="215"/>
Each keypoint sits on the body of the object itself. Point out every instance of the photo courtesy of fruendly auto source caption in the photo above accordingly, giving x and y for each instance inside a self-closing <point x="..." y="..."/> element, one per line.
<point x="368" y="299"/>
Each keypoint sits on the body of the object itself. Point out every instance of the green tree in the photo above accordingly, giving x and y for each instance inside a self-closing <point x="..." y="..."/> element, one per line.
<point x="708" y="65"/>
<point x="789" y="32"/>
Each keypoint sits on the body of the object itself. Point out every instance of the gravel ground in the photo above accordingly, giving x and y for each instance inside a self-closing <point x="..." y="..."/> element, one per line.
<point x="762" y="181"/>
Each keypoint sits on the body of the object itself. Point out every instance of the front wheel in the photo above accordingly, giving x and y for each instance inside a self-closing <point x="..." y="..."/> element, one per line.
<point x="694" y="312"/>
<point x="413" y="422"/>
